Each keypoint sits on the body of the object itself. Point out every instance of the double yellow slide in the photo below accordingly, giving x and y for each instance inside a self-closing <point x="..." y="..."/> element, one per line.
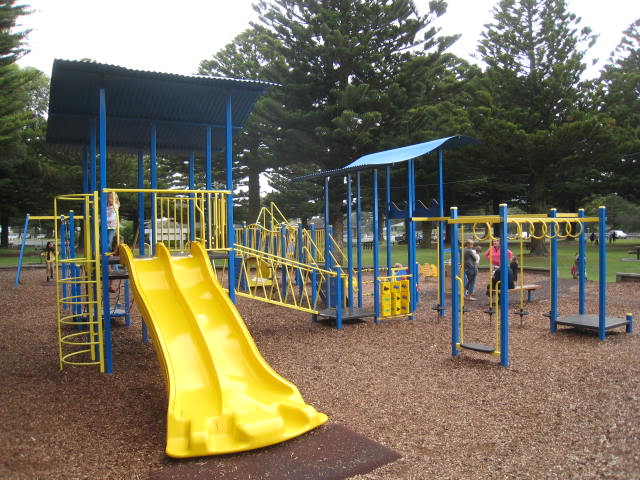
<point x="223" y="397"/>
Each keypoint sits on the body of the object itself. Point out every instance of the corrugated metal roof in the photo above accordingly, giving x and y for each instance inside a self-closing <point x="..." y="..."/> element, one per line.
<point x="394" y="156"/>
<point x="182" y="106"/>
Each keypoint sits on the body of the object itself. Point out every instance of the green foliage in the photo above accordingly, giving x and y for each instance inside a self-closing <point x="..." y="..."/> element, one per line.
<point x="621" y="213"/>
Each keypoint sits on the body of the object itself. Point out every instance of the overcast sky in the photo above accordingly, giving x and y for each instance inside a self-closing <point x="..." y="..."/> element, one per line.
<point x="170" y="36"/>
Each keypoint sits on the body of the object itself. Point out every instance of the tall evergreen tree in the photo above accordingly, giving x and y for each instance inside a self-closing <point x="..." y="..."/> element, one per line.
<point x="621" y="100"/>
<point x="528" y="104"/>
<point x="337" y="63"/>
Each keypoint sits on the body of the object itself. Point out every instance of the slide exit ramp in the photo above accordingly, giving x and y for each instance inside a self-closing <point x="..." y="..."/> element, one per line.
<point x="222" y="395"/>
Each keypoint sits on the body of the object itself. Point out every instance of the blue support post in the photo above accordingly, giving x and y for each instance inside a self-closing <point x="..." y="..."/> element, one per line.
<point x="455" y="293"/>
<point x="141" y="204"/>
<point x="339" y="298"/>
<point x="106" y="315"/>
<point x="192" y="196"/>
<point x="327" y="257"/>
<point x="602" y="310"/>
<point x="629" y="319"/>
<point x="73" y="269"/>
<point x="21" y="256"/>
<point x="314" y="273"/>
<point x="127" y="302"/>
<point x="359" y="237"/>
<point x="504" y="285"/>
<point x="441" y="230"/>
<point x="349" y="246"/>
<point x="411" y="238"/>
<point x="153" y="167"/>
<point x="92" y="154"/>
<point x="63" y="256"/>
<point x="283" y="254"/>
<point x="553" y="314"/>
<point x="387" y="217"/>
<point x="208" y="158"/>
<point x="231" y="233"/>
<point x="299" y="255"/>
<point x="582" y="265"/>
<point x="376" y="253"/>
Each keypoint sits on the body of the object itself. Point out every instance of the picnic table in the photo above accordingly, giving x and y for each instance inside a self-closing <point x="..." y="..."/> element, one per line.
<point x="635" y="250"/>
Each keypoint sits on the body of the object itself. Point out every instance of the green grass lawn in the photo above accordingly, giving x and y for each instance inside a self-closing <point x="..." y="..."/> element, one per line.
<point x="9" y="256"/>
<point x="567" y="251"/>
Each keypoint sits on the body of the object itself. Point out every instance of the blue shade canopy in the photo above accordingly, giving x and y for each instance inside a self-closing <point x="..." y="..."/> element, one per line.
<point x="396" y="155"/>
<point x="182" y="107"/>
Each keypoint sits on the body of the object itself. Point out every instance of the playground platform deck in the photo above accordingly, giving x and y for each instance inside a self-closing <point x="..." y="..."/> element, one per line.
<point x="590" y="322"/>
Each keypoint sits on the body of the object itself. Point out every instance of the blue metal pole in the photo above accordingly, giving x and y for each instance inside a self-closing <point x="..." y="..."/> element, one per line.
<point x="376" y="253"/>
<point x="63" y="256"/>
<point x="141" y="203"/>
<point x="153" y="167"/>
<point x="602" y="311"/>
<point x="208" y="158"/>
<point x="75" y="286"/>
<point x="455" y="293"/>
<point x="22" y="244"/>
<point x="582" y="265"/>
<point x="359" y="237"/>
<point x="441" y="229"/>
<point x="231" y="233"/>
<point x="504" y="286"/>
<point x="314" y="273"/>
<point x="283" y="254"/>
<point x="553" y="314"/>
<point x="339" y="298"/>
<point x="411" y="239"/>
<point x="387" y="220"/>
<point x="629" y="319"/>
<point x="192" y="196"/>
<point x="349" y="246"/>
<point x="102" y="129"/>
<point x="92" y="154"/>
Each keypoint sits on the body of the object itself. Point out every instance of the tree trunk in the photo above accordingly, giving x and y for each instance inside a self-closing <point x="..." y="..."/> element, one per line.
<point x="254" y="194"/>
<point x="4" y="221"/>
<point x="536" y="195"/>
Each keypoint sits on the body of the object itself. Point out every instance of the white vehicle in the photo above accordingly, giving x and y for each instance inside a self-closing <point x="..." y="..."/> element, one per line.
<point x="619" y="233"/>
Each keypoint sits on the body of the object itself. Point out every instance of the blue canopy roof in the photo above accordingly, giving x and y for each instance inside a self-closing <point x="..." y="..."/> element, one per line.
<point x="181" y="106"/>
<point x="396" y="155"/>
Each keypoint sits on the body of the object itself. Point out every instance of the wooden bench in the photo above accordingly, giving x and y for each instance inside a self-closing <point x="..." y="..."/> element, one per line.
<point x="528" y="288"/>
<point x="627" y="277"/>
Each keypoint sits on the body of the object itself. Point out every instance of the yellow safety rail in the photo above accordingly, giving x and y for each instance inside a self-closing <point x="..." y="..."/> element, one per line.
<point x="78" y="286"/>
<point x="178" y="211"/>
<point x="260" y="278"/>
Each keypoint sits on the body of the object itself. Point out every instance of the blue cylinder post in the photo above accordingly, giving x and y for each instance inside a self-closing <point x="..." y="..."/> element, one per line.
<point x="22" y="244"/>
<point x="602" y="310"/>
<point x="327" y="257"/>
<point x="411" y="237"/>
<point x="376" y="253"/>
<point x="441" y="230"/>
<point x="314" y="273"/>
<point x="629" y="319"/>
<point x="153" y="168"/>
<point x="553" y="314"/>
<point x="349" y="245"/>
<point x="141" y="248"/>
<point x="231" y="233"/>
<point x="582" y="265"/>
<point x="455" y="299"/>
<point x="359" y="237"/>
<point x="339" y="298"/>
<point x="504" y="286"/>
<point x="283" y="254"/>
<point x="192" y="196"/>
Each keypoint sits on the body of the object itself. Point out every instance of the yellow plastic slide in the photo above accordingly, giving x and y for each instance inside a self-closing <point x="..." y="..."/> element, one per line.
<point x="223" y="396"/>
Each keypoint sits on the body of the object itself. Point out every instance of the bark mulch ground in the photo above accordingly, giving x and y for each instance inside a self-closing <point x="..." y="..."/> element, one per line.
<point x="567" y="407"/>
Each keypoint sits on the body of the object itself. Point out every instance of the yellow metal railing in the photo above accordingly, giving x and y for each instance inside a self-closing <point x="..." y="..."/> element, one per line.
<point x="182" y="215"/>
<point x="280" y="281"/>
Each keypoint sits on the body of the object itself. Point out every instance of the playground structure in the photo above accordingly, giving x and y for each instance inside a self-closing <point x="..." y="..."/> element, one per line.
<point x="270" y="260"/>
